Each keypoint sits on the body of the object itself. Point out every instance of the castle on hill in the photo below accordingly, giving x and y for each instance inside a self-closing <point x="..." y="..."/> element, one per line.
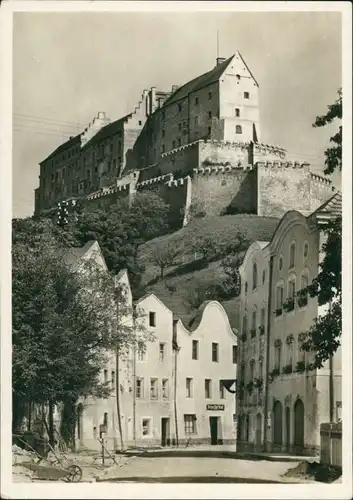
<point x="198" y="146"/>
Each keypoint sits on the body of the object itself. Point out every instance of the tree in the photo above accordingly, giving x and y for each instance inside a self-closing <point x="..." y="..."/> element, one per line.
<point x="65" y="319"/>
<point x="333" y="155"/>
<point x="163" y="254"/>
<point x="323" y="338"/>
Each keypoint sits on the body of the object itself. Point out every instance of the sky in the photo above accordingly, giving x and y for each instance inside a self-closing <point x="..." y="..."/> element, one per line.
<point x="69" y="66"/>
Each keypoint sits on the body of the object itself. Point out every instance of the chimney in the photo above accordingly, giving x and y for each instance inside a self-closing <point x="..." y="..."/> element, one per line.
<point x="219" y="60"/>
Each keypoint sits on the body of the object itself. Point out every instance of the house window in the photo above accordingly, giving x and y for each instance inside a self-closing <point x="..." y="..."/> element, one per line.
<point x="161" y="351"/>
<point x="290" y="342"/>
<point x="242" y="372"/>
<point x="280" y="263"/>
<point x="245" y="326"/>
<point x="210" y="114"/>
<point x="140" y="122"/>
<point x="139" y="387"/>
<point x="165" y="388"/>
<point x="291" y="289"/>
<point x="195" y="349"/>
<point x="189" y="387"/>
<point x="261" y="367"/>
<point x="152" y="319"/>
<point x="262" y="320"/>
<point x="306" y="249"/>
<point x="234" y="353"/>
<point x="209" y="130"/>
<point x="292" y="255"/>
<point x="237" y="112"/>
<point x="208" y="393"/>
<point x="209" y="96"/>
<point x="279" y="300"/>
<point x="254" y="276"/>
<point x="221" y="390"/>
<point x="252" y="369"/>
<point x="154" y="388"/>
<point x="196" y="101"/>
<point x="238" y="129"/>
<point x="263" y="276"/>
<point x="214" y="352"/>
<point x="146" y="427"/>
<point x="141" y="355"/>
<point x="246" y="95"/>
<point x="114" y="164"/>
<point x="303" y="294"/>
<point x="278" y="351"/>
<point x="113" y="380"/>
<point x="190" y="424"/>
<point x="253" y="324"/>
<point x="105" y="376"/>
<point x="246" y="287"/>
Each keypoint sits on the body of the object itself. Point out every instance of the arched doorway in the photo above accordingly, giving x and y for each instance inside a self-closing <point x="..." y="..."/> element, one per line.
<point x="258" y="431"/>
<point x="299" y="425"/>
<point x="287" y="419"/>
<point x="277" y="424"/>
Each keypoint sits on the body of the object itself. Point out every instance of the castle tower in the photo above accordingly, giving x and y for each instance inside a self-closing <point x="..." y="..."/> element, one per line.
<point x="239" y="110"/>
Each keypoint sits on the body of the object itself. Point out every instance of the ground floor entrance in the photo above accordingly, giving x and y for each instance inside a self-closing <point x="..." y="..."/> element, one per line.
<point x="165" y="431"/>
<point x="215" y="430"/>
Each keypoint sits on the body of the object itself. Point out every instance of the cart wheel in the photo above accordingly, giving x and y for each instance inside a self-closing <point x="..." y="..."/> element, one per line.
<point x="75" y="475"/>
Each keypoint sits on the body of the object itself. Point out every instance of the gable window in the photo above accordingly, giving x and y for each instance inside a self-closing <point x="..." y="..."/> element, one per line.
<point x="254" y="276"/>
<point x="214" y="352"/>
<point x="246" y="95"/>
<point x="238" y="129"/>
<point x="195" y="349"/>
<point x="152" y="319"/>
<point x="161" y="351"/>
<point x="190" y="424"/>
<point x="279" y="300"/>
<point x="139" y="387"/>
<point x="221" y="390"/>
<point x="234" y="353"/>
<point x="208" y="394"/>
<point x="237" y="112"/>
<point x="189" y="388"/>
<point x="154" y="388"/>
<point x="292" y="255"/>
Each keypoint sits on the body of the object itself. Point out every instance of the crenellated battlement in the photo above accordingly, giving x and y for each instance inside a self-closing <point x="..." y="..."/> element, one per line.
<point x="320" y="179"/>
<point x="180" y="148"/>
<point x="178" y="182"/>
<point x="283" y="164"/>
<point x="222" y="169"/>
<point x="155" y="180"/>
<point x="265" y="149"/>
<point x="105" y="191"/>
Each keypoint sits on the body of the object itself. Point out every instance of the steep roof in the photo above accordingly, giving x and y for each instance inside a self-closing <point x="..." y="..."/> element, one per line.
<point x="60" y="149"/>
<point x="333" y="206"/>
<point x="198" y="82"/>
<point x="76" y="253"/>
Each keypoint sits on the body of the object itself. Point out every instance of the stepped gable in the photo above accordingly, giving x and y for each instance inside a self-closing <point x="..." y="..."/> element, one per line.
<point x="108" y="130"/>
<point x="198" y="82"/>
<point x="68" y="144"/>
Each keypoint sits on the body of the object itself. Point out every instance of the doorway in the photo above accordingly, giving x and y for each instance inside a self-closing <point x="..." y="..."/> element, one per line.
<point x="287" y="428"/>
<point x="165" y="431"/>
<point x="277" y="425"/>
<point x="299" y="425"/>
<point x="214" y="429"/>
<point x="258" y="431"/>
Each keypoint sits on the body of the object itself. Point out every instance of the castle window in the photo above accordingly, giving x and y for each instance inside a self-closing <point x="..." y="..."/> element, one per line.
<point x="179" y="127"/>
<point x="163" y="115"/>
<point x="173" y="144"/>
<point x="154" y="152"/>
<point x="140" y="122"/>
<point x="179" y="142"/>
<point x="237" y="112"/>
<point x="179" y="107"/>
<point x="306" y="249"/>
<point x="114" y="164"/>
<point x="209" y="130"/>
<point x="163" y="148"/>
<point x="163" y="133"/>
<point x="165" y="388"/>
<point x="238" y="129"/>
<point x="189" y="388"/>
<point x="210" y="114"/>
<point x="196" y="101"/>
<point x="292" y="255"/>
<point x="254" y="276"/>
<point x="246" y="95"/>
<point x="196" y="120"/>
<point x="111" y="147"/>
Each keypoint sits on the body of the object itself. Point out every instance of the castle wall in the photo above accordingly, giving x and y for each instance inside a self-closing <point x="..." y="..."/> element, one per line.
<point x="180" y="161"/>
<point x="282" y="188"/>
<point x="221" y="190"/>
<point x="320" y="191"/>
<point x="213" y="153"/>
